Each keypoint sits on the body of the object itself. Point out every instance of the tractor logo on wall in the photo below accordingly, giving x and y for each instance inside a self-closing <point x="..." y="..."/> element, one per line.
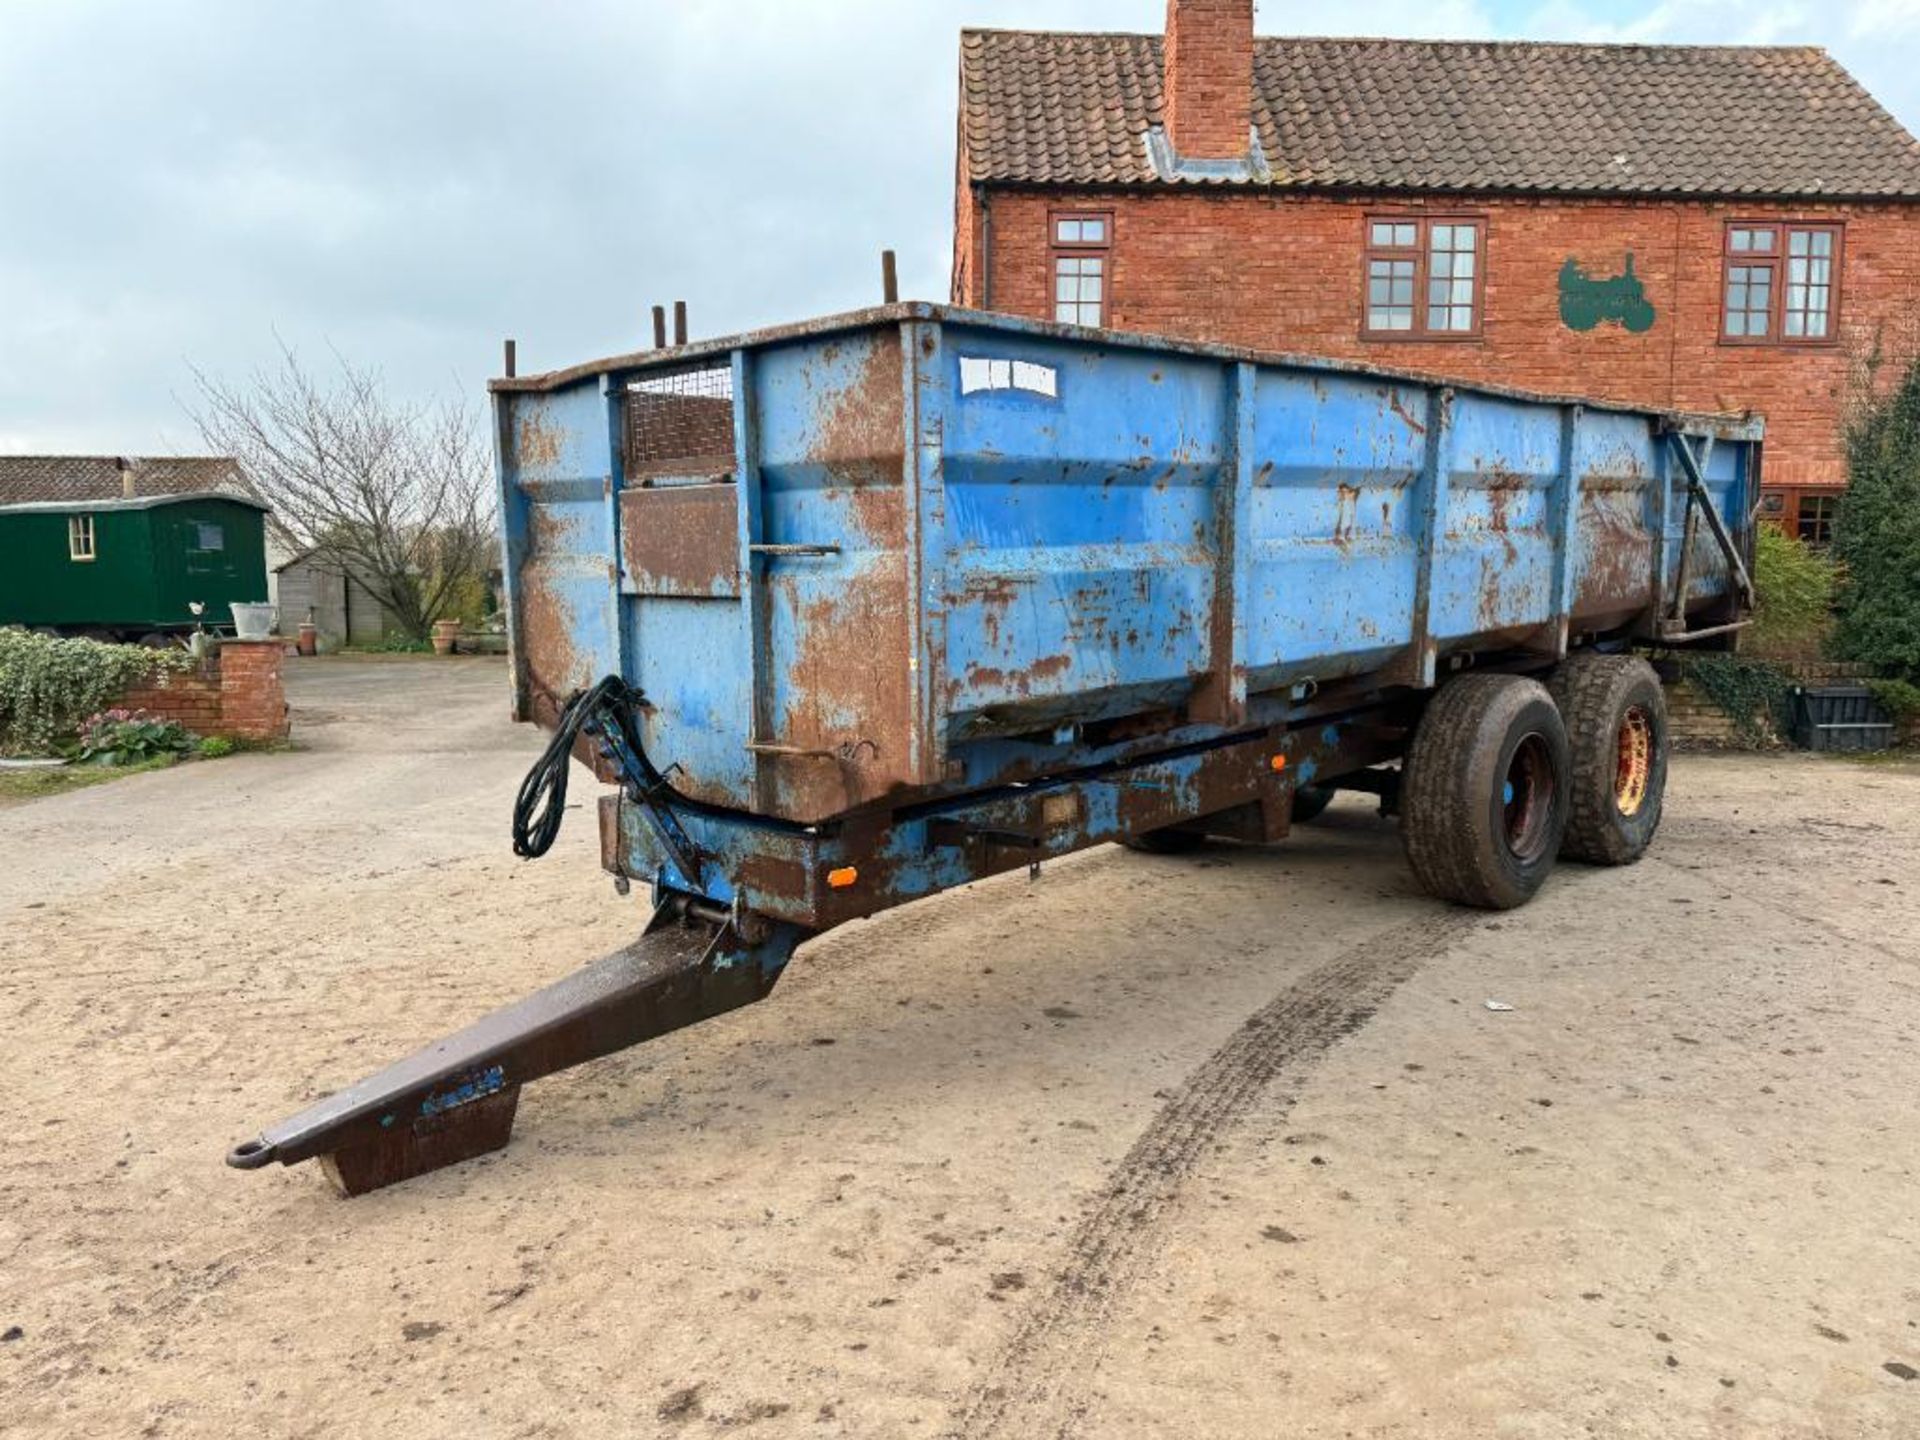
<point x="1588" y="300"/>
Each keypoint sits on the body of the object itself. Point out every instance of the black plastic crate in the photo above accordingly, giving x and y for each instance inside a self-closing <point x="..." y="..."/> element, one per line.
<point x="1840" y="717"/>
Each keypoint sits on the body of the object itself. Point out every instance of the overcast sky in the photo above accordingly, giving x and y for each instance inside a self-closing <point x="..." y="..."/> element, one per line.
<point x="409" y="182"/>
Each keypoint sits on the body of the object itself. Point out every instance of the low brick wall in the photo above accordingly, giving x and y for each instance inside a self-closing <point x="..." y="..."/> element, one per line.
<point x="1696" y="723"/>
<point x="235" y="691"/>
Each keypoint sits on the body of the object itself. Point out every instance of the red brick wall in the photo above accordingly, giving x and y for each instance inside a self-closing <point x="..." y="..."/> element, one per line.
<point x="1285" y="273"/>
<point x="236" y="691"/>
<point x="192" y="698"/>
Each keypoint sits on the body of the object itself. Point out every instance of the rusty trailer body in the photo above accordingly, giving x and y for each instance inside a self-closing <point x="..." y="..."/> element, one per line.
<point x="899" y="599"/>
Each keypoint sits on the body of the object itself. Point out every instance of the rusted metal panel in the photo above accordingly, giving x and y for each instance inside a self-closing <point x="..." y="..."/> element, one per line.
<point x="681" y="540"/>
<point x="831" y="453"/>
<point x="968" y="549"/>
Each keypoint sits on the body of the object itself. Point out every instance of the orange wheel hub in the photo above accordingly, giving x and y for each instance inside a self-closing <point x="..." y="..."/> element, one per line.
<point x="1633" y="769"/>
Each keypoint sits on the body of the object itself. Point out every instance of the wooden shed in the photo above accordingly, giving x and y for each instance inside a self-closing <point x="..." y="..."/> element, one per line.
<point x="317" y="585"/>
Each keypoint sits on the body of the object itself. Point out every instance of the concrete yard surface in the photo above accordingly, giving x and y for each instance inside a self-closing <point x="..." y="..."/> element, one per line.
<point x="1222" y="1145"/>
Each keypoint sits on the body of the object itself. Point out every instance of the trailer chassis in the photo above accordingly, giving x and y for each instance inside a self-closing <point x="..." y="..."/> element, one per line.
<point x="734" y="895"/>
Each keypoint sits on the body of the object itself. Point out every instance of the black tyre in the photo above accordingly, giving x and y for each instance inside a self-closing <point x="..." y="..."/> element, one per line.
<point x="1309" y="801"/>
<point x="1166" y="842"/>
<point x="1483" y="800"/>
<point x="1616" y="719"/>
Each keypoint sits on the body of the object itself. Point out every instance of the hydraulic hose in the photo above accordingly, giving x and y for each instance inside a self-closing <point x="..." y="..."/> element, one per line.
<point x="542" y="800"/>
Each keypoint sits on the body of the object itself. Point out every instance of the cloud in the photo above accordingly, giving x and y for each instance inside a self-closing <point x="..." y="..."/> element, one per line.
<point x="412" y="183"/>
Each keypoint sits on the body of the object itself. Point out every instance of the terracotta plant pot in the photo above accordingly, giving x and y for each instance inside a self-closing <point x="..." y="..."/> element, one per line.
<point x="309" y="640"/>
<point x="445" y="633"/>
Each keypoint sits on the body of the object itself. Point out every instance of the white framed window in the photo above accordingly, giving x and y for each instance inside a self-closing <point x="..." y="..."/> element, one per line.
<point x="80" y="537"/>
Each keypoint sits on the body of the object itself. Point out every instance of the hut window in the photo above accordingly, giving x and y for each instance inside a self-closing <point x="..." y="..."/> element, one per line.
<point x="80" y="537"/>
<point x="209" y="537"/>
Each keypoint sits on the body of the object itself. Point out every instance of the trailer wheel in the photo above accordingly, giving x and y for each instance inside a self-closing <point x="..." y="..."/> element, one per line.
<point x="1309" y="801"/>
<point x="1483" y="802"/>
<point x="1170" y="841"/>
<point x="1616" y="718"/>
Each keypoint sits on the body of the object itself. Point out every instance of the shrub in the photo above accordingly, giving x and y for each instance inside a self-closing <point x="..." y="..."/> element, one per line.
<point x="126" y="737"/>
<point x="1751" y="693"/>
<point x="49" y="685"/>
<point x="1793" y="588"/>
<point x="1877" y="536"/>
<point x="394" y="642"/>
<point x="216" y="747"/>
<point x="1899" y="698"/>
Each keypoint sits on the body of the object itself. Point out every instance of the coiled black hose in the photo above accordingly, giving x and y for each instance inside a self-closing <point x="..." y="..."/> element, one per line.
<point x="542" y="800"/>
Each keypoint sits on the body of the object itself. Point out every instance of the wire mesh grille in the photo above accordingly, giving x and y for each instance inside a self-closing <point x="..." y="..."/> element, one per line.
<point x="681" y="423"/>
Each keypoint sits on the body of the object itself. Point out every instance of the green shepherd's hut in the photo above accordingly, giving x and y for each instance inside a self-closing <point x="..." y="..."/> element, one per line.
<point x="126" y="565"/>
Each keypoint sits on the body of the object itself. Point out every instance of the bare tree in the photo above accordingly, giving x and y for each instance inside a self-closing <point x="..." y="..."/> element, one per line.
<point x="399" y="495"/>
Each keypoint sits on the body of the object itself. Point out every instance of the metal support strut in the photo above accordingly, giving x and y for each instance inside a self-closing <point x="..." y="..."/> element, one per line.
<point x="455" y="1099"/>
<point x="1673" y="626"/>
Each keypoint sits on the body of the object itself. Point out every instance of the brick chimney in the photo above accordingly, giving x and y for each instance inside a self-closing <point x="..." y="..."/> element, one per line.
<point x="128" y="486"/>
<point x="1209" y="78"/>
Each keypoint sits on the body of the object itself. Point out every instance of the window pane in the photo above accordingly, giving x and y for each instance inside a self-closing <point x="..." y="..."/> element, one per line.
<point x="1797" y="242"/>
<point x="1796" y="322"/>
<point x="1736" y="320"/>
<point x="1823" y="242"/>
<point x="1398" y="302"/>
<point x="1077" y="289"/>
<point x="1094" y="232"/>
<point x="1762" y="239"/>
<point x="1741" y="240"/>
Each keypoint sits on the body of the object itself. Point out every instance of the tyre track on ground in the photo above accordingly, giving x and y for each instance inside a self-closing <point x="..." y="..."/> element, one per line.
<point x="1037" y="1385"/>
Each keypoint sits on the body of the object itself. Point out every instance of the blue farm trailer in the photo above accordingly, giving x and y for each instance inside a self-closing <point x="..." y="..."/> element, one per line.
<point x="855" y="611"/>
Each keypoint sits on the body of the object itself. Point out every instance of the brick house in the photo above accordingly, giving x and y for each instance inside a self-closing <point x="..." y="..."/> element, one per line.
<point x="1695" y="227"/>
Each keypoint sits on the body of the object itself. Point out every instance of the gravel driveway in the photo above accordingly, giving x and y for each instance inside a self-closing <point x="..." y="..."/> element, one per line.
<point x="1216" y="1145"/>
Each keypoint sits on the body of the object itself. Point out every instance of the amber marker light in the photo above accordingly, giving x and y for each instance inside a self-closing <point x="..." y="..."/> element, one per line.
<point x="841" y="878"/>
<point x="1279" y="762"/>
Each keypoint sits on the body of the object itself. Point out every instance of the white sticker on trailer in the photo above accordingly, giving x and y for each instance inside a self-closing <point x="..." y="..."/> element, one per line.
<point x="983" y="372"/>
